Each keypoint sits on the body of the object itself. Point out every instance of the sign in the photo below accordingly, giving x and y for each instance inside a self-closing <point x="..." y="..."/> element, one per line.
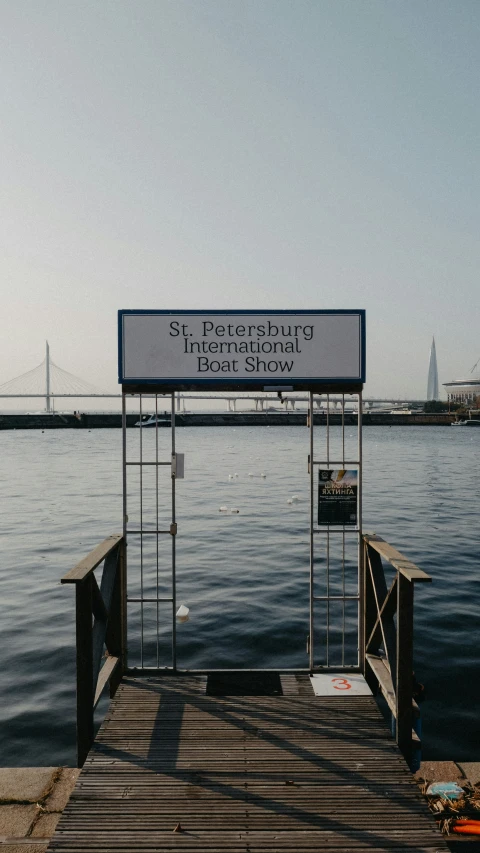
<point x="271" y="350"/>
<point x="340" y="684"/>
<point x="337" y="497"/>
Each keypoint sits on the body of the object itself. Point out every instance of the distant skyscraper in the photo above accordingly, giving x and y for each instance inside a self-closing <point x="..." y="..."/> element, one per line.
<point x="432" y="384"/>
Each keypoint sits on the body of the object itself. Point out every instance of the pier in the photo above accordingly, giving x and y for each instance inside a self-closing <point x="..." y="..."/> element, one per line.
<point x="112" y="420"/>
<point x="245" y="761"/>
<point x="173" y="768"/>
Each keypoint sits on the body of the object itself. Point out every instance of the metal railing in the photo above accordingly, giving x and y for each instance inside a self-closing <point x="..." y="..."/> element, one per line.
<point x="100" y="632"/>
<point x="387" y="633"/>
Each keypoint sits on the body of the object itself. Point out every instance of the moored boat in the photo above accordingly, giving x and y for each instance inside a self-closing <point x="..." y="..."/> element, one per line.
<point x="153" y="420"/>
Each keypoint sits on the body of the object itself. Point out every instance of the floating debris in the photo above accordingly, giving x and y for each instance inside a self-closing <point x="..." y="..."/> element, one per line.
<point x="183" y="613"/>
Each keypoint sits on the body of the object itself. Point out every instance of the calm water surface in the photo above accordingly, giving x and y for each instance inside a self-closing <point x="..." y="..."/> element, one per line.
<point x="244" y="576"/>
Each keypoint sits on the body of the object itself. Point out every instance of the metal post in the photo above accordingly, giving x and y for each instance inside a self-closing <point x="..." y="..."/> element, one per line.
<point x="141" y="534"/>
<point x="174" y="580"/>
<point x="47" y="372"/>
<point x="157" y="543"/>
<point x="123" y="554"/>
<point x="312" y="555"/>
<point x="361" y="551"/>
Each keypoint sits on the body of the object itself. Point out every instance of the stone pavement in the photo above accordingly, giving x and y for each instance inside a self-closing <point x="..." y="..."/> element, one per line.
<point x="449" y="771"/>
<point x="31" y="802"/>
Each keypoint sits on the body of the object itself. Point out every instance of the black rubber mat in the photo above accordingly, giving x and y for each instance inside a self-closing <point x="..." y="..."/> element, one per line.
<point x="244" y="684"/>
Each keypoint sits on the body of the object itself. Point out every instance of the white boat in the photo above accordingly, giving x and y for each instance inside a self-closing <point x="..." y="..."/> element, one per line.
<point x="472" y="423"/>
<point x="153" y="420"/>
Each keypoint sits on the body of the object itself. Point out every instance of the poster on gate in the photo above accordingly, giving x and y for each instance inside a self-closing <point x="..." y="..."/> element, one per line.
<point x="338" y="497"/>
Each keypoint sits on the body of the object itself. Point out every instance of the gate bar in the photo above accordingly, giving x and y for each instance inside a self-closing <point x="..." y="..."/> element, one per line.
<point x="174" y="567"/>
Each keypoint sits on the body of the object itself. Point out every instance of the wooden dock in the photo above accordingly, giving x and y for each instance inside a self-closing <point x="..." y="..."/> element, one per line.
<point x="173" y="768"/>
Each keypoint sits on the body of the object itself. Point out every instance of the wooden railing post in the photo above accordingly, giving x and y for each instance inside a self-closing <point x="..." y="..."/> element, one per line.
<point x="392" y="672"/>
<point x="85" y="687"/>
<point x="116" y="638"/>
<point x="404" y="675"/>
<point x="108" y="605"/>
<point x="122" y="570"/>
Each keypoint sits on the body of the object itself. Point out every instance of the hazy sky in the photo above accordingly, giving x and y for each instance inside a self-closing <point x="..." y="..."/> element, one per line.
<point x="241" y="154"/>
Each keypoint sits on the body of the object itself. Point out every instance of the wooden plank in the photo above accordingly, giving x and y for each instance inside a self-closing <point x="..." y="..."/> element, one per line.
<point x="278" y="774"/>
<point x="289" y="685"/>
<point x="382" y="673"/>
<point x="384" y="678"/>
<point x="408" y="569"/>
<point x="89" y="563"/>
<point x="111" y="664"/>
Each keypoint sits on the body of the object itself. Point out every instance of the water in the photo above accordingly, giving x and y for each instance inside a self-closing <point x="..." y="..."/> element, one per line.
<point x="244" y="576"/>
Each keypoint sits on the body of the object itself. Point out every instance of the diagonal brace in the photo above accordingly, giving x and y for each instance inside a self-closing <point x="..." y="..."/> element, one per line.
<point x="384" y="620"/>
<point x="101" y="621"/>
<point x="387" y="611"/>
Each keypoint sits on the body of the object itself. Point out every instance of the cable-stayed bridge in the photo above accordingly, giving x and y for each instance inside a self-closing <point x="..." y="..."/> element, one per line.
<point x="49" y="381"/>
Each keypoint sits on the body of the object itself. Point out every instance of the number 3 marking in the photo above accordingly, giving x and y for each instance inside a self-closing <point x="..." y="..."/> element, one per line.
<point x="343" y="684"/>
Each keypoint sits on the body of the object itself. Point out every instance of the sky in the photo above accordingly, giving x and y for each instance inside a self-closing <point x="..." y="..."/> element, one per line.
<point x="240" y="154"/>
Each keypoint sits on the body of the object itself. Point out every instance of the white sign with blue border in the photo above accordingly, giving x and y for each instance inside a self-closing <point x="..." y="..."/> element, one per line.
<point x="253" y="348"/>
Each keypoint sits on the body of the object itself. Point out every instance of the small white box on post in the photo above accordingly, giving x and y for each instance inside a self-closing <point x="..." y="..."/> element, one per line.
<point x="178" y="465"/>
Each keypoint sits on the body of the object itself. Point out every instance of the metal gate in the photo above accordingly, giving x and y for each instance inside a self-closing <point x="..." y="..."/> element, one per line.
<point x="150" y="528"/>
<point x="335" y="549"/>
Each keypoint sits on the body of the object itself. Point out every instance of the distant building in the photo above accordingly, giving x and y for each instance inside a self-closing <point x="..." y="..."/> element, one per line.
<point x="463" y="391"/>
<point x="432" y="384"/>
